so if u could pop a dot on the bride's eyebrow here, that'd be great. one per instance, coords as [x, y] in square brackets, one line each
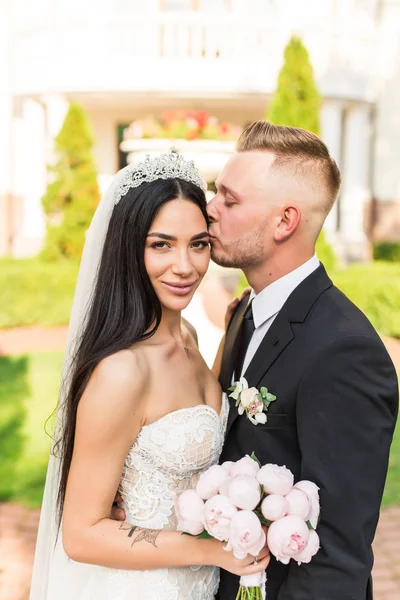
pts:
[171, 238]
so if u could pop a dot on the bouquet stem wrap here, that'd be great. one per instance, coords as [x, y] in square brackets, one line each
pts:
[252, 587]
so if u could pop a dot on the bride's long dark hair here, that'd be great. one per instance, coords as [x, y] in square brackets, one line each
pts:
[124, 307]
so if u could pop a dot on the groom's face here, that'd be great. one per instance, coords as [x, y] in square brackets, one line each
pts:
[244, 212]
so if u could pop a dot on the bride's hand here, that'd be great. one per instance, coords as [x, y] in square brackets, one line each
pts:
[246, 566]
[117, 513]
[233, 305]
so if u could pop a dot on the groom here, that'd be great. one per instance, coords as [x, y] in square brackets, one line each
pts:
[336, 388]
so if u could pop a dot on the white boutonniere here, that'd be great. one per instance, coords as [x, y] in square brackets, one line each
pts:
[251, 401]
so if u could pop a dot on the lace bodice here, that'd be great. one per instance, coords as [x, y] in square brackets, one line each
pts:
[165, 459]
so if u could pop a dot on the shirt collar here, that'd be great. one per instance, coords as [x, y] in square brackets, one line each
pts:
[270, 300]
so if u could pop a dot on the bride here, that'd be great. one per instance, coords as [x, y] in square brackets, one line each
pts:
[140, 413]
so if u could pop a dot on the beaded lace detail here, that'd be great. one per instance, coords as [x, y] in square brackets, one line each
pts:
[166, 459]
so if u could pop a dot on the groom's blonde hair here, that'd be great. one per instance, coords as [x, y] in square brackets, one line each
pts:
[298, 151]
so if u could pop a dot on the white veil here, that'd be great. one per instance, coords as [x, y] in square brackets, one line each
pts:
[55, 576]
[50, 559]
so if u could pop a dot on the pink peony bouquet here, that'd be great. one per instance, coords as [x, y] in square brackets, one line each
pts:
[233, 501]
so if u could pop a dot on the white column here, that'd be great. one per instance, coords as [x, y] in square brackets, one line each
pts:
[331, 133]
[5, 127]
[355, 189]
[30, 177]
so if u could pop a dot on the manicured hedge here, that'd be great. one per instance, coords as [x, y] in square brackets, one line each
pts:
[388, 251]
[35, 293]
[375, 289]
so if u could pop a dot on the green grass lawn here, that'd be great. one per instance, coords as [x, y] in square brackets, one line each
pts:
[28, 394]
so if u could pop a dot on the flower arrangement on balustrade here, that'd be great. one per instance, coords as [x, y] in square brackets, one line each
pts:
[235, 502]
[188, 125]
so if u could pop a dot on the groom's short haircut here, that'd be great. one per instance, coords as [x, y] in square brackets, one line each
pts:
[296, 150]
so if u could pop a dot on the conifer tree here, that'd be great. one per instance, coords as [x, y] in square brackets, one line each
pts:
[73, 195]
[296, 103]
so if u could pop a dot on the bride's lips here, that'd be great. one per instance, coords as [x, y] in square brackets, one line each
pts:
[179, 289]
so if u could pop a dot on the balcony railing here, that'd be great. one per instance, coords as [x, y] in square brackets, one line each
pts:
[114, 53]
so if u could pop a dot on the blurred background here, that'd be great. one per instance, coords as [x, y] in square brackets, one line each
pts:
[87, 87]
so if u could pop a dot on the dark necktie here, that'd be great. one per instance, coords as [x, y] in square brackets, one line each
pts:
[246, 331]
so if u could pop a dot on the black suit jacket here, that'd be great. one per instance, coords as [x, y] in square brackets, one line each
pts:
[332, 423]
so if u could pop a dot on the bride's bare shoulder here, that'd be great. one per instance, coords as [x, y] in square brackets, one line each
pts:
[126, 368]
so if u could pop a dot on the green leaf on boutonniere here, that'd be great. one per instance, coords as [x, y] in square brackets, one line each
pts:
[309, 525]
[254, 457]
[270, 397]
[232, 388]
[237, 402]
[264, 392]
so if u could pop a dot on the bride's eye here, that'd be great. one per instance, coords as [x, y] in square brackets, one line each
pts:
[160, 245]
[200, 245]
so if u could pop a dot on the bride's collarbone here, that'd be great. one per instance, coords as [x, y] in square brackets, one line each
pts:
[176, 381]
[171, 390]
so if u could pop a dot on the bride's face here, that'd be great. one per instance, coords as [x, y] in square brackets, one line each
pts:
[177, 253]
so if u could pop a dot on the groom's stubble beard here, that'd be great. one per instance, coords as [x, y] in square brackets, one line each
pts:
[245, 252]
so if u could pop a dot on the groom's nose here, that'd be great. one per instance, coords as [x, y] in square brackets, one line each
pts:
[212, 210]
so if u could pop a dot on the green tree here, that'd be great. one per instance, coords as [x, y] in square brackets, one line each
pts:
[296, 101]
[71, 198]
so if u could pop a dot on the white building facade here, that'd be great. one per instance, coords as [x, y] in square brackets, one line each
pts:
[125, 59]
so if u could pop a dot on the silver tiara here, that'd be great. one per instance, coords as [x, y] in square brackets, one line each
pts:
[165, 166]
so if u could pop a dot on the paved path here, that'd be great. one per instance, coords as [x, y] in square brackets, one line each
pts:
[18, 532]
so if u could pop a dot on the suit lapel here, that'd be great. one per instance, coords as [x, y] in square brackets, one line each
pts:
[276, 339]
[280, 334]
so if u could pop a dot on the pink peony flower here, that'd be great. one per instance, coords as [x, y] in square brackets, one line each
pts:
[244, 492]
[312, 547]
[189, 509]
[299, 503]
[276, 480]
[274, 507]
[245, 466]
[246, 536]
[210, 481]
[311, 491]
[227, 465]
[218, 513]
[224, 488]
[287, 537]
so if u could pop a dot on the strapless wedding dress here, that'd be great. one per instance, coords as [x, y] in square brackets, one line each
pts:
[165, 459]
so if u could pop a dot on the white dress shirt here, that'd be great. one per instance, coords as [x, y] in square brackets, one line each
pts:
[268, 303]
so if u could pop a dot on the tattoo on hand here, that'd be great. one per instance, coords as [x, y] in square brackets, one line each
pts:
[148, 535]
